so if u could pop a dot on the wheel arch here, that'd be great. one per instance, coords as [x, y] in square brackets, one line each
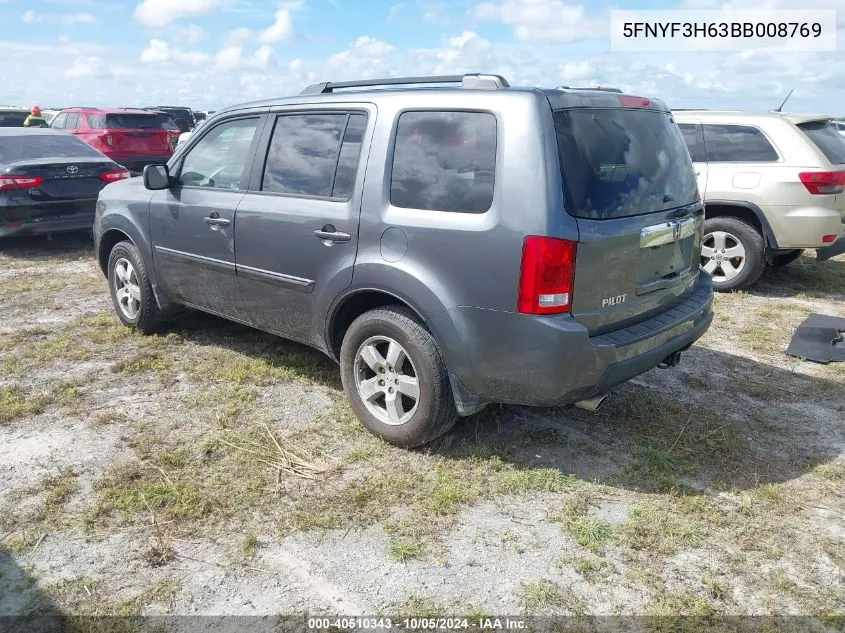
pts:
[353, 304]
[747, 211]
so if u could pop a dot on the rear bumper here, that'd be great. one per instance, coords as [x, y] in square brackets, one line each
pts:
[804, 227]
[550, 361]
[54, 217]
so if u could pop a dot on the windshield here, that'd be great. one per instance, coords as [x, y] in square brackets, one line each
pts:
[827, 138]
[124, 122]
[622, 162]
[35, 146]
[13, 119]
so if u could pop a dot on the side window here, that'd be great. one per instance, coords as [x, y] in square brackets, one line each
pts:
[737, 144]
[221, 157]
[694, 140]
[72, 121]
[314, 154]
[59, 121]
[444, 161]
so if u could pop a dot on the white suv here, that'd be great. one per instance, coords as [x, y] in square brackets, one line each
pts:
[773, 185]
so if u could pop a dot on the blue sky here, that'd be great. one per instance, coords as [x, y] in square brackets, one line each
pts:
[211, 53]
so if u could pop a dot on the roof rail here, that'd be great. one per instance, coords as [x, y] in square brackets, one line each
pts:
[469, 81]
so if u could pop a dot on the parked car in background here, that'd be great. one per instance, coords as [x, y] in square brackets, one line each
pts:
[12, 116]
[584, 202]
[773, 185]
[133, 138]
[840, 127]
[169, 124]
[184, 117]
[49, 181]
[49, 115]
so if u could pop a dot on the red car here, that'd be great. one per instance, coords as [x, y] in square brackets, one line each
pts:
[132, 138]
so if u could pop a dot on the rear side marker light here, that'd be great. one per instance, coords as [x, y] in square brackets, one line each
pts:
[546, 278]
[20, 182]
[829, 239]
[823, 182]
[113, 176]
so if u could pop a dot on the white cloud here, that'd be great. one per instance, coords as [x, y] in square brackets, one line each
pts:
[232, 58]
[67, 19]
[281, 30]
[544, 20]
[191, 34]
[158, 13]
[95, 67]
[238, 36]
[159, 51]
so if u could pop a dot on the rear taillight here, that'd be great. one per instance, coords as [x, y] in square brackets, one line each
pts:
[630, 101]
[548, 270]
[20, 182]
[829, 239]
[117, 174]
[109, 139]
[823, 182]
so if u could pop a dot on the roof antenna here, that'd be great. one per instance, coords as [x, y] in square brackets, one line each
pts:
[780, 107]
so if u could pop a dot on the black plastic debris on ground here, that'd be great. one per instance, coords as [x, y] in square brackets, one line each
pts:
[820, 338]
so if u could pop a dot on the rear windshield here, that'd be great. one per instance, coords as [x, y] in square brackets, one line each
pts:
[35, 146]
[827, 138]
[13, 119]
[167, 122]
[618, 162]
[124, 122]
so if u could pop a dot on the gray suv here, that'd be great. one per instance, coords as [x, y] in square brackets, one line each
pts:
[450, 241]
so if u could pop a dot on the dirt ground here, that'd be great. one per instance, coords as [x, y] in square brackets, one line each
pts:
[214, 469]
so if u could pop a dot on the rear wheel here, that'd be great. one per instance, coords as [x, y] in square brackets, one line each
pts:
[131, 290]
[395, 379]
[784, 258]
[733, 253]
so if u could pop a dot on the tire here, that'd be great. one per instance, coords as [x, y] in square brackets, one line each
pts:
[136, 307]
[368, 348]
[786, 258]
[724, 235]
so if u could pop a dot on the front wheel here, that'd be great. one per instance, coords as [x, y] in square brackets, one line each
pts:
[395, 379]
[131, 290]
[732, 252]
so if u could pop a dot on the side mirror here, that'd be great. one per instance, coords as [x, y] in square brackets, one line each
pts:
[156, 177]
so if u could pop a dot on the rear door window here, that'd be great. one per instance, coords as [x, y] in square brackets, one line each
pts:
[59, 121]
[72, 121]
[314, 154]
[694, 139]
[737, 144]
[444, 161]
[622, 162]
[826, 136]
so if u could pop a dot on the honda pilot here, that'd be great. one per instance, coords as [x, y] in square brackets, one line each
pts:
[451, 242]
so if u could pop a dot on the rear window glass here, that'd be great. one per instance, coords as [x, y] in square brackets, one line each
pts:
[827, 138]
[124, 122]
[12, 119]
[444, 161]
[617, 163]
[737, 144]
[34, 146]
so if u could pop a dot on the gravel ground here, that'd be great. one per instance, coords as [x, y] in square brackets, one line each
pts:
[140, 474]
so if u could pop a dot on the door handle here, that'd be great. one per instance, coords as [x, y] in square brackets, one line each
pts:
[329, 235]
[215, 222]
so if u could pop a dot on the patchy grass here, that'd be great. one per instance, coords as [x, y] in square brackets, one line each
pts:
[142, 362]
[15, 403]
[249, 546]
[404, 549]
